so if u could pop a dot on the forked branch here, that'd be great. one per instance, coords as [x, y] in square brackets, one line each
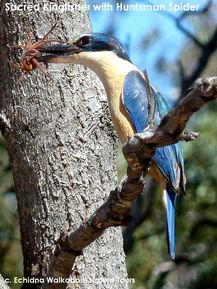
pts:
[138, 152]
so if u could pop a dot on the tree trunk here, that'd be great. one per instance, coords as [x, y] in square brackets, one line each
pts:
[62, 150]
[3, 285]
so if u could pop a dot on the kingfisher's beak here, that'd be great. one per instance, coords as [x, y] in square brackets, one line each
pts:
[58, 53]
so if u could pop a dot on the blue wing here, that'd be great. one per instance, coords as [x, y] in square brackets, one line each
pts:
[135, 100]
[168, 159]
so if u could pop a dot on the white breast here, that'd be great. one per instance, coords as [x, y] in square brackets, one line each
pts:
[112, 71]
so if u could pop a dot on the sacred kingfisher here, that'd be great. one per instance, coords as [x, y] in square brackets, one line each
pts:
[125, 87]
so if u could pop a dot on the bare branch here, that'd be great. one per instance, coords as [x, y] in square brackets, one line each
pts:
[199, 12]
[178, 21]
[138, 152]
[187, 32]
[208, 49]
[170, 129]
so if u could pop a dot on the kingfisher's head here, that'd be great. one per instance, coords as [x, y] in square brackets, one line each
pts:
[92, 50]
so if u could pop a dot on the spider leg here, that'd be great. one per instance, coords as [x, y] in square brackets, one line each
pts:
[15, 66]
[49, 31]
[19, 46]
[29, 38]
[38, 65]
[42, 42]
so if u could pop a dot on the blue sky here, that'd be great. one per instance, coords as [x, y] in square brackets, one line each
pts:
[130, 27]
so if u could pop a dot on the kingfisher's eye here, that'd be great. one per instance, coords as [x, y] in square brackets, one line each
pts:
[85, 40]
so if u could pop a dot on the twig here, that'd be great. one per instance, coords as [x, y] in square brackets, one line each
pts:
[208, 49]
[185, 14]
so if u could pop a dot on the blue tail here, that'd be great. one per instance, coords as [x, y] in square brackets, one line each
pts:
[169, 199]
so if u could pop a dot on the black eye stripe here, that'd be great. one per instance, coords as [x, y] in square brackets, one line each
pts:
[101, 42]
[85, 40]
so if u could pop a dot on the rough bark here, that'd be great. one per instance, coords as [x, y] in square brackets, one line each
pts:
[61, 148]
[3, 285]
